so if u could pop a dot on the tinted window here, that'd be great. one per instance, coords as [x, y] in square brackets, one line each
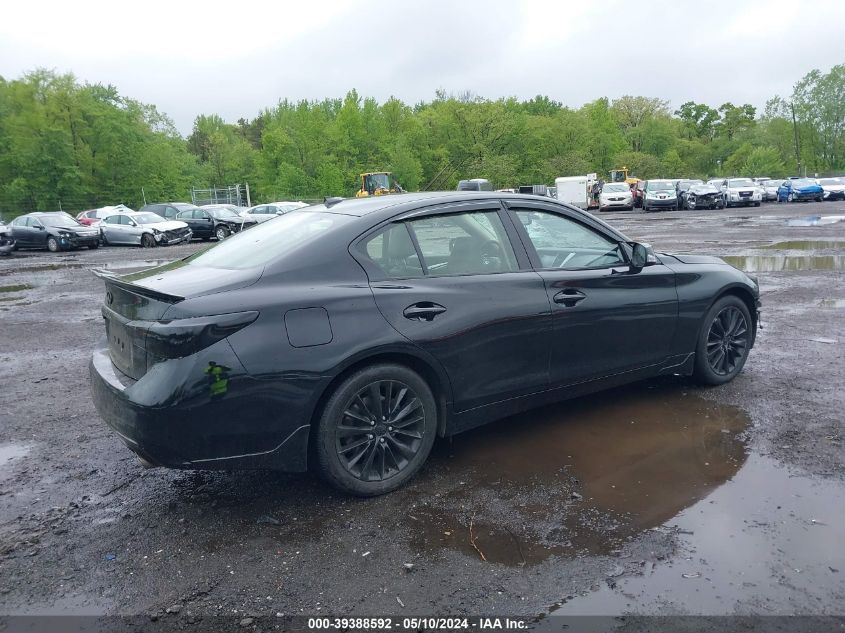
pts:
[464, 244]
[393, 252]
[563, 243]
[22, 221]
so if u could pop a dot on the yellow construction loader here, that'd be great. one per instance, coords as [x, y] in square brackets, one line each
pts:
[621, 175]
[377, 183]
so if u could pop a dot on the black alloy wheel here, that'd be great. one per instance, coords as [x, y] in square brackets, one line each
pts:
[376, 430]
[147, 241]
[724, 341]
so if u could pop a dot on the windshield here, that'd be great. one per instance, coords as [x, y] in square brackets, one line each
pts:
[222, 213]
[658, 185]
[741, 182]
[831, 181]
[269, 240]
[58, 220]
[147, 218]
[373, 182]
[616, 187]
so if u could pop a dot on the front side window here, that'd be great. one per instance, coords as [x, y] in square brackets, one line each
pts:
[464, 244]
[112, 219]
[564, 243]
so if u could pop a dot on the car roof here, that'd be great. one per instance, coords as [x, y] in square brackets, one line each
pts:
[364, 206]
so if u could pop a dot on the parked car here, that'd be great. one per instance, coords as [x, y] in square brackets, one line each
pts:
[660, 194]
[703, 196]
[681, 189]
[358, 332]
[833, 188]
[169, 210]
[219, 222]
[143, 228]
[741, 192]
[769, 189]
[616, 195]
[264, 212]
[800, 189]
[7, 242]
[54, 230]
[93, 217]
[475, 184]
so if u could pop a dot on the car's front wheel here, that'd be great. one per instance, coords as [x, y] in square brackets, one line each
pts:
[53, 244]
[724, 341]
[147, 241]
[376, 430]
[221, 233]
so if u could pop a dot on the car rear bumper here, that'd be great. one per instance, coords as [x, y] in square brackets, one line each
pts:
[173, 417]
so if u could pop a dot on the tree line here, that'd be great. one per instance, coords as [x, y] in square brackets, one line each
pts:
[72, 145]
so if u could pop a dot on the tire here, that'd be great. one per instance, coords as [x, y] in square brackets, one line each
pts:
[819, 199]
[147, 241]
[790, 197]
[53, 244]
[94, 246]
[724, 342]
[343, 428]
[221, 233]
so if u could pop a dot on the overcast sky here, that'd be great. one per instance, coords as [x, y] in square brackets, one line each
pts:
[236, 58]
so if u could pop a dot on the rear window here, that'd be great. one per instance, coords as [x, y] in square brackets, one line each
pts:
[269, 240]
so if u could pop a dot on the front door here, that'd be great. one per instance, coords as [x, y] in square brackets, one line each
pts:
[452, 283]
[606, 318]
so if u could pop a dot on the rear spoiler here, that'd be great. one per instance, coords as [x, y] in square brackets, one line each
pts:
[111, 278]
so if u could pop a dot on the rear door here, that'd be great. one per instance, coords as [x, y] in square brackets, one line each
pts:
[606, 318]
[110, 227]
[451, 281]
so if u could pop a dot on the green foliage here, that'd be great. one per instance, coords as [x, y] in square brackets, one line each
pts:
[63, 143]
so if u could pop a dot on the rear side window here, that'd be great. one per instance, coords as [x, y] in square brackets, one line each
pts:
[455, 244]
[393, 252]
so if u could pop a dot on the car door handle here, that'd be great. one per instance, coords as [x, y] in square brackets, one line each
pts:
[569, 297]
[423, 311]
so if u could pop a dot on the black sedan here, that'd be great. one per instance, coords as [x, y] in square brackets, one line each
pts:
[55, 231]
[355, 332]
[219, 222]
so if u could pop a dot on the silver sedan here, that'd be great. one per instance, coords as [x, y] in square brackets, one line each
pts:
[143, 228]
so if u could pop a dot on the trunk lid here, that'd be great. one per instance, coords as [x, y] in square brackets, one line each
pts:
[137, 301]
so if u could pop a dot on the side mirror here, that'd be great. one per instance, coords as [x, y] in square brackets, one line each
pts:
[639, 256]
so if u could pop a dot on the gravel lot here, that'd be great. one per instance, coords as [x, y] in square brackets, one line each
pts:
[659, 498]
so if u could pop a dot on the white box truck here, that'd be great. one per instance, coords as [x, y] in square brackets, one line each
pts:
[572, 190]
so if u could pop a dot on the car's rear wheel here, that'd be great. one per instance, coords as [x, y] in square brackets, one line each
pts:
[723, 342]
[376, 430]
[221, 232]
[790, 197]
[52, 244]
[147, 241]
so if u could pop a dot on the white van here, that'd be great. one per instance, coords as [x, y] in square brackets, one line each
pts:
[572, 190]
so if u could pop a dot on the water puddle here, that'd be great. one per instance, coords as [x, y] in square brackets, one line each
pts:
[806, 245]
[15, 288]
[815, 220]
[9, 452]
[768, 542]
[579, 477]
[784, 263]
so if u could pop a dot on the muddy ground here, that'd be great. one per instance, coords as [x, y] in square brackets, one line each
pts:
[661, 498]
